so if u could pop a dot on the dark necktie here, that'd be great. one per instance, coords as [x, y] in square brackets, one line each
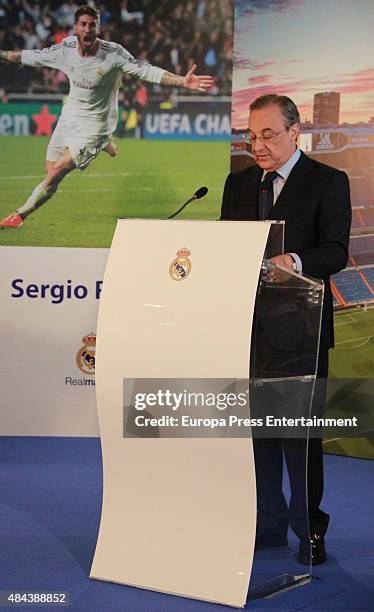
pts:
[266, 195]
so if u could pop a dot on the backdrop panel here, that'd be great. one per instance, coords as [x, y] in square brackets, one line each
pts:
[49, 303]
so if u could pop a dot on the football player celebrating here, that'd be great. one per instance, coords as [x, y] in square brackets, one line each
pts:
[94, 68]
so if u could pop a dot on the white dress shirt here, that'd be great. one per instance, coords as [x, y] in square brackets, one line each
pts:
[278, 184]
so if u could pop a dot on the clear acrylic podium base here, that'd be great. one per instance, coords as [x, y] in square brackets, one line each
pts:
[278, 585]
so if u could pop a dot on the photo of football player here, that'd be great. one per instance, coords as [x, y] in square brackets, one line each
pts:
[94, 68]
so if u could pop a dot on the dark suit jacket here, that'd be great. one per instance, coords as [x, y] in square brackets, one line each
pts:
[315, 204]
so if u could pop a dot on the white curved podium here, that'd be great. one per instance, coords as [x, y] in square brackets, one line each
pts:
[179, 514]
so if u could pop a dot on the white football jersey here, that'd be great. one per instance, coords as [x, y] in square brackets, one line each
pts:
[94, 80]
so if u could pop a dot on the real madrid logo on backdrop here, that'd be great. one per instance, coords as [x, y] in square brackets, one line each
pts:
[180, 267]
[86, 355]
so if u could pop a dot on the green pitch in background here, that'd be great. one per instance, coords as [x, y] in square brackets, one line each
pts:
[149, 179]
[352, 361]
[353, 356]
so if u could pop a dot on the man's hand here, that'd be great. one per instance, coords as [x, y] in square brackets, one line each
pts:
[280, 276]
[283, 260]
[190, 81]
[11, 57]
[197, 83]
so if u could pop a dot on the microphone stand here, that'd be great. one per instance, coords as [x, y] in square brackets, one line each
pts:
[182, 207]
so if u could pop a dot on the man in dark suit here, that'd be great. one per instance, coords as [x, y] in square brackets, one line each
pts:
[314, 201]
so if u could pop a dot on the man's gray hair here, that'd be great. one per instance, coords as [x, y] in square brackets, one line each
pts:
[286, 105]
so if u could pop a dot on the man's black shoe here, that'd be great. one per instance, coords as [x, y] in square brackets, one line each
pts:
[313, 550]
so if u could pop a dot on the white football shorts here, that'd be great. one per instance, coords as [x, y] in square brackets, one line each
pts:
[72, 135]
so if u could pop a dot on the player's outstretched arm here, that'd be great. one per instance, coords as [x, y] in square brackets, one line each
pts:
[11, 57]
[189, 81]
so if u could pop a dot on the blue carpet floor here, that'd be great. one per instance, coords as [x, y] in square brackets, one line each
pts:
[50, 498]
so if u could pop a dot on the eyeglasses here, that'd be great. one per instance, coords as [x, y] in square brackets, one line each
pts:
[265, 135]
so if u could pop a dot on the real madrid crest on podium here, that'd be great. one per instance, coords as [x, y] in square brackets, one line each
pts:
[86, 355]
[181, 266]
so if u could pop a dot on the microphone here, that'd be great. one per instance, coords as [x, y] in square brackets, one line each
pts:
[200, 193]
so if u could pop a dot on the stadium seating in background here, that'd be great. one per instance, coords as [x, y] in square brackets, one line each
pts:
[368, 216]
[360, 244]
[172, 34]
[369, 274]
[361, 191]
[353, 286]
